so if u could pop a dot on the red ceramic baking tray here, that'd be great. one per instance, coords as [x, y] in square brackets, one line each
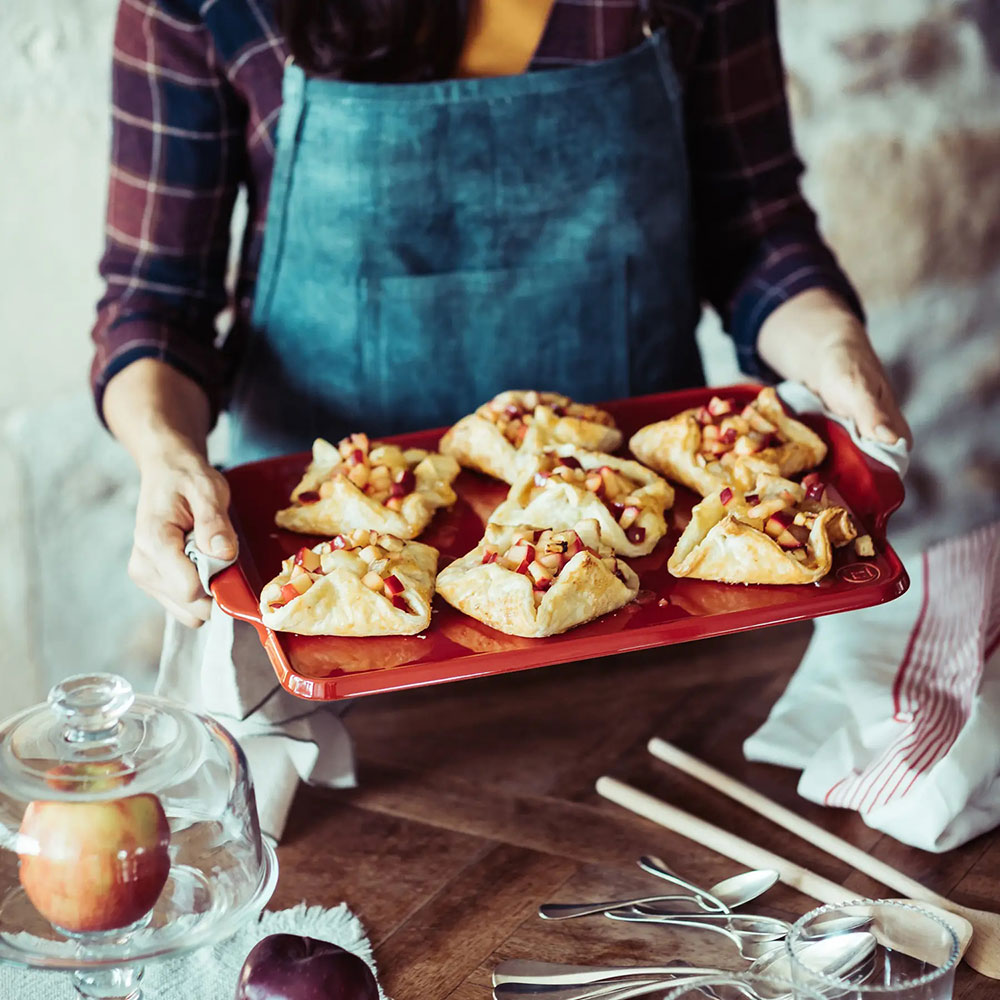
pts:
[456, 647]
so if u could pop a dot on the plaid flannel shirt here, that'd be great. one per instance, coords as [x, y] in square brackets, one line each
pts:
[196, 92]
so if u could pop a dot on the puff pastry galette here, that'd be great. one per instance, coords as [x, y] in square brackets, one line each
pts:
[530, 582]
[361, 583]
[363, 484]
[564, 485]
[720, 444]
[517, 423]
[783, 532]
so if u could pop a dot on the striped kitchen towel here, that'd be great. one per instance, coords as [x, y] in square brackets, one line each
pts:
[895, 710]
[222, 670]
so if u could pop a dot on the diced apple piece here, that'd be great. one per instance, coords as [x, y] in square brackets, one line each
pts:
[489, 555]
[777, 523]
[308, 496]
[327, 562]
[575, 546]
[788, 541]
[552, 561]
[814, 486]
[746, 445]
[394, 503]
[398, 601]
[358, 475]
[710, 433]
[728, 436]
[720, 407]
[340, 542]
[541, 478]
[570, 462]
[393, 585]
[538, 572]
[372, 581]
[703, 416]
[307, 559]
[391, 543]
[752, 499]
[864, 546]
[371, 552]
[726, 495]
[629, 516]
[759, 422]
[595, 483]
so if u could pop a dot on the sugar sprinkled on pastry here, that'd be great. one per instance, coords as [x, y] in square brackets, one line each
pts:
[783, 532]
[522, 422]
[538, 582]
[564, 485]
[363, 484]
[718, 445]
[359, 583]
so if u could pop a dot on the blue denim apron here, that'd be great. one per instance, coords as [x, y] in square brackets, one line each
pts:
[429, 245]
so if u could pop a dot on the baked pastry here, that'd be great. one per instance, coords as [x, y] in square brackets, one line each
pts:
[718, 445]
[533, 583]
[563, 485]
[783, 532]
[362, 484]
[362, 583]
[517, 423]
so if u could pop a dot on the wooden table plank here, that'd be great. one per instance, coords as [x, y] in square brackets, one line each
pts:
[477, 804]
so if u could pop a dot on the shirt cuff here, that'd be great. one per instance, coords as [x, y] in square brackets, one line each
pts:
[783, 271]
[132, 339]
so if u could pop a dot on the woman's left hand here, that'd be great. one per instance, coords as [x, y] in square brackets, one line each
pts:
[814, 339]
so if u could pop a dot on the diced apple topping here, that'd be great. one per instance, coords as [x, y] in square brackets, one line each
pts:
[726, 495]
[727, 434]
[383, 472]
[513, 414]
[378, 551]
[814, 487]
[864, 546]
[539, 555]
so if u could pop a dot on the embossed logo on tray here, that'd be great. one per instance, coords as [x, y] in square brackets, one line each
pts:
[859, 573]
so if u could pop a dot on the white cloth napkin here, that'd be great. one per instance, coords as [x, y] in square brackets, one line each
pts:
[803, 400]
[895, 710]
[210, 973]
[223, 670]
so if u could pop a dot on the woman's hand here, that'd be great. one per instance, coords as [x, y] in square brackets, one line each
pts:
[179, 491]
[162, 418]
[814, 339]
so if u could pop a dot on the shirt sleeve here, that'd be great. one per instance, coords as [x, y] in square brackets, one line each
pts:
[757, 242]
[176, 164]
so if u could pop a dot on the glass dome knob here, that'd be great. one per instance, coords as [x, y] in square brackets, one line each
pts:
[91, 705]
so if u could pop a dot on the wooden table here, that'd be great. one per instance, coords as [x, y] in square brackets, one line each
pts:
[476, 803]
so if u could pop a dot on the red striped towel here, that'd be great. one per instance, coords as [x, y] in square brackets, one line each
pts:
[895, 711]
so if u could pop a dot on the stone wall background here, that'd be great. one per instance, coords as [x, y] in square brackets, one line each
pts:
[897, 114]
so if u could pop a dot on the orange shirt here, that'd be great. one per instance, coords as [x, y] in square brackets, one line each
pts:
[503, 36]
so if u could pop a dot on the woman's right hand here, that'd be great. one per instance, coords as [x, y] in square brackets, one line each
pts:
[179, 491]
[162, 417]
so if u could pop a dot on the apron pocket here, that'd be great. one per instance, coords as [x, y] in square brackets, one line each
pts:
[439, 345]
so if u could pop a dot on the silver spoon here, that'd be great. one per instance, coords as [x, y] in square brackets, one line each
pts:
[750, 944]
[728, 894]
[839, 956]
[750, 924]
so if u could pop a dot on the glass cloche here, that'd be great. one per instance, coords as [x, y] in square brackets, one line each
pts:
[128, 831]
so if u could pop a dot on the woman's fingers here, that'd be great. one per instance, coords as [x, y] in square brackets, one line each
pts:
[208, 499]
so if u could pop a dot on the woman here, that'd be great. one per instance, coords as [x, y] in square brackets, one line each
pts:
[433, 218]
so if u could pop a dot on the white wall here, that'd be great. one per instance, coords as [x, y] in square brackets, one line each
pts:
[897, 108]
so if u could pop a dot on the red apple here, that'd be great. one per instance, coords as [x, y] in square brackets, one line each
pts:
[720, 407]
[393, 585]
[778, 522]
[489, 556]
[569, 461]
[307, 559]
[726, 495]
[752, 499]
[814, 486]
[290, 967]
[93, 866]
[398, 601]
